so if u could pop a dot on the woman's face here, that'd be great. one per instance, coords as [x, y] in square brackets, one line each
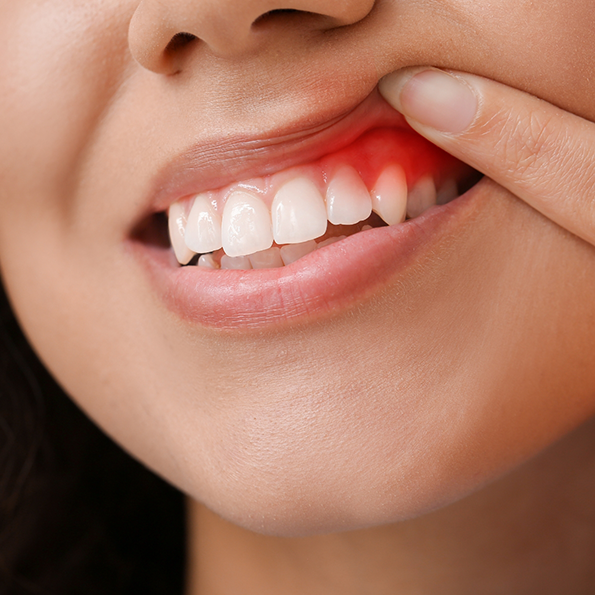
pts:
[393, 373]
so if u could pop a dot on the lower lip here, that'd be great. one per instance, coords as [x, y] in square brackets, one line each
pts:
[321, 284]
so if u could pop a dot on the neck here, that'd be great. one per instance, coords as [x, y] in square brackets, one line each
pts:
[530, 532]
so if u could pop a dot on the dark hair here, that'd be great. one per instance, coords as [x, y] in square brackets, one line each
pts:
[77, 515]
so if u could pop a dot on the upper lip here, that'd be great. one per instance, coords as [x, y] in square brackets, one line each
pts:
[211, 165]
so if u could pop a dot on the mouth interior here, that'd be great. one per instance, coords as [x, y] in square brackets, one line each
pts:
[242, 227]
[153, 231]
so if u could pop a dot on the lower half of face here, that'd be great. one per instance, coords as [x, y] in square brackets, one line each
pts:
[313, 399]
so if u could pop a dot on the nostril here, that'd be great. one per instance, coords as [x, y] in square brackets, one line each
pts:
[179, 41]
[277, 11]
[173, 54]
[272, 15]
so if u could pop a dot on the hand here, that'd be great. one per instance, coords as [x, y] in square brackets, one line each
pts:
[539, 152]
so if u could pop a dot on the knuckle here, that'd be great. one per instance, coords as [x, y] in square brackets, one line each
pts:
[526, 141]
[531, 145]
[548, 160]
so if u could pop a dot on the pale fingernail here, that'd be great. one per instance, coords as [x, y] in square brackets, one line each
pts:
[433, 98]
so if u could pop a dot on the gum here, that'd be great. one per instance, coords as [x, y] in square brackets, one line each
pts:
[369, 155]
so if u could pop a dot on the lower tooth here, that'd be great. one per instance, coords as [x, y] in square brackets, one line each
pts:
[267, 259]
[448, 191]
[330, 241]
[421, 197]
[292, 252]
[207, 261]
[239, 263]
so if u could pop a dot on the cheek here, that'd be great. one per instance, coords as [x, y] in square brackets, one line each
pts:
[544, 48]
[59, 69]
[421, 397]
[403, 404]
[60, 64]
[406, 403]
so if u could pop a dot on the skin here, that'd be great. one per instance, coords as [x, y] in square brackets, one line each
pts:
[336, 438]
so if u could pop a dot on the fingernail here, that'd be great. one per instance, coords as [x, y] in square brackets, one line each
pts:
[433, 98]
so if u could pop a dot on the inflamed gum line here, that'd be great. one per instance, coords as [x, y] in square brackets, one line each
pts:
[274, 275]
[385, 176]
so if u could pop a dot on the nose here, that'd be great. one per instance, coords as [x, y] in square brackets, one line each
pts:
[162, 31]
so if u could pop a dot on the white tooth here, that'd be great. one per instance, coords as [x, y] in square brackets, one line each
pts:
[389, 196]
[177, 229]
[330, 241]
[267, 259]
[298, 212]
[203, 230]
[448, 191]
[246, 225]
[240, 263]
[366, 227]
[347, 198]
[207, 261]
[421, 197]
[293, 252]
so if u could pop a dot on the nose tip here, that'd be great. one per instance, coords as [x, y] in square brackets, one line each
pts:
[161, 33]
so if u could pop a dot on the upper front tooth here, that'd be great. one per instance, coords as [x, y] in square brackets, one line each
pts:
[347, 198]
[298, 212]
[389, 196]
[246, 225]
[203, 230]
[177, 230]
[421, 197]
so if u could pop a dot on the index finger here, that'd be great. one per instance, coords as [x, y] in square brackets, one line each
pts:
[541, 153]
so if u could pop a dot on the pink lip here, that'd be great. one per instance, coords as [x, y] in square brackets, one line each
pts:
[324, 282]
[209, 166]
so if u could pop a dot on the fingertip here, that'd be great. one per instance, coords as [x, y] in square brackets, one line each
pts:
[433, 98]
[391, 86]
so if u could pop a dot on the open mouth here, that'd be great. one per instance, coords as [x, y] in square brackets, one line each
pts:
[385, 177]
[308, 238]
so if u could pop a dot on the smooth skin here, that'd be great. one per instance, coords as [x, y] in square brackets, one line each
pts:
[324, 448]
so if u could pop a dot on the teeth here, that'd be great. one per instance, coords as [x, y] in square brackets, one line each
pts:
[389, 195]
[177, 230]
[448, 191]
[421, 197]
[235, 262]
[267, 259]
[330, 241]
[293, 252]
[347, 198]
[246, 225]
[298, 212]
[203, 230]
[207, 261]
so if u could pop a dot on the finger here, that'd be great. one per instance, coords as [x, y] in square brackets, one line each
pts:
[539, 152]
